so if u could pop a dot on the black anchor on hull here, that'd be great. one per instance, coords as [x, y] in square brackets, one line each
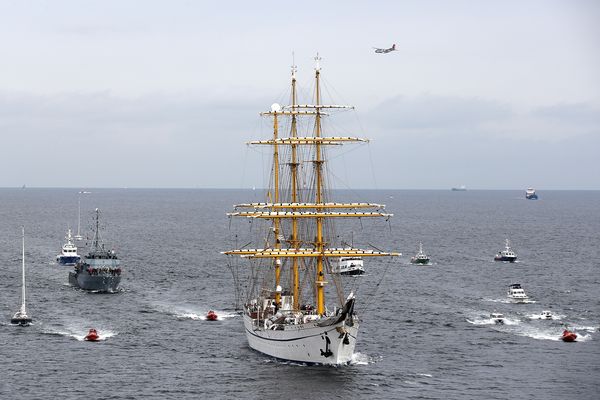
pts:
[327, 352]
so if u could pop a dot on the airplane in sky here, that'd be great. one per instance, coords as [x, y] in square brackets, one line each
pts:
[383, 51]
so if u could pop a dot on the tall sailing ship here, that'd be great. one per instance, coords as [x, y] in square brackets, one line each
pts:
[285, 311]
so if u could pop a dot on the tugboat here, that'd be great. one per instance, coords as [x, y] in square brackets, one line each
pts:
[516, 293]
[349, 266]
[420, 257]
[530, 194]
[100, 270]
[69, 254]
[568, 336]
[285, 313]
[21, 318]
[497, 318]
[92, 336]
[506, 255]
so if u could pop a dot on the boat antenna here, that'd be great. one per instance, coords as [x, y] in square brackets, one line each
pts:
[23, 274]
[97, 233]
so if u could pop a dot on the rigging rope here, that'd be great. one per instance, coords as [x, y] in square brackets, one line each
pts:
[374, 292]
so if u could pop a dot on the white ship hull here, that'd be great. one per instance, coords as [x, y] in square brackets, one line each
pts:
[307, 343]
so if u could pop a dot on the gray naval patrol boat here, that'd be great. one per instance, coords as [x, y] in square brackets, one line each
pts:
[100, 269]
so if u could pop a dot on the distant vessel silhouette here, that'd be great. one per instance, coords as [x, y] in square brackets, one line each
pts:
[530, 194]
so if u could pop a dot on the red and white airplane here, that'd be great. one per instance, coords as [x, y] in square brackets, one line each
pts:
[383, 51]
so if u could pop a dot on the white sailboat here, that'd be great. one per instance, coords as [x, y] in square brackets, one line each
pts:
[21, 317]
[285, 312]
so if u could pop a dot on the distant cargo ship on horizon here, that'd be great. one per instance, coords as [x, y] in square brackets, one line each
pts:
[461, 188]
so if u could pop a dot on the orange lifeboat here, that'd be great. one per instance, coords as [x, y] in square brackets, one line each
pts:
[211, 316]
[568, 336]
[92, 336]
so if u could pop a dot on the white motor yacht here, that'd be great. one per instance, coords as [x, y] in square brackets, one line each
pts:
[516, 293]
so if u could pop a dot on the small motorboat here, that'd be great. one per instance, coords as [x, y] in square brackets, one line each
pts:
[211, 316]
[568, 336]
[506, 255]
[546, 315]
[69, 255]
[497, 318]
[517, 294]
[92, 336]
[420, 257]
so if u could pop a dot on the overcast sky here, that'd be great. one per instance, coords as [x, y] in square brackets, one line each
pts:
[492, 95]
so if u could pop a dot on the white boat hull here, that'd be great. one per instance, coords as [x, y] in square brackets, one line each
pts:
[519, 299]
[307, 343]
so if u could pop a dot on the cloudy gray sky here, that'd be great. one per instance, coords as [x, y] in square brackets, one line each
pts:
[493, 95]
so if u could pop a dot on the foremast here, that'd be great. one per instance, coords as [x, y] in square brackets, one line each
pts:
[319, 210]
[276, 221]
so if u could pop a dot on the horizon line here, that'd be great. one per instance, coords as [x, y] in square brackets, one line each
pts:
[256, 188]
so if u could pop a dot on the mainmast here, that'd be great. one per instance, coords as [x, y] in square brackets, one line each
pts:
[23, 311]
[318, 165]
[97, 232]
[294, 171]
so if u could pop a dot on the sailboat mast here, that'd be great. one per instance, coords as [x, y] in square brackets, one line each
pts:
[276, 222]
[318, 163]
[23, 273]
[294, 166]
[78, 214]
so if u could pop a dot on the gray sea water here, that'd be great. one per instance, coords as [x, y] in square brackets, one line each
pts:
[425, 334]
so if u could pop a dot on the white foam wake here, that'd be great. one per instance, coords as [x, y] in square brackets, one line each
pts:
[80, 333]
[361, 359]
[193, 313]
